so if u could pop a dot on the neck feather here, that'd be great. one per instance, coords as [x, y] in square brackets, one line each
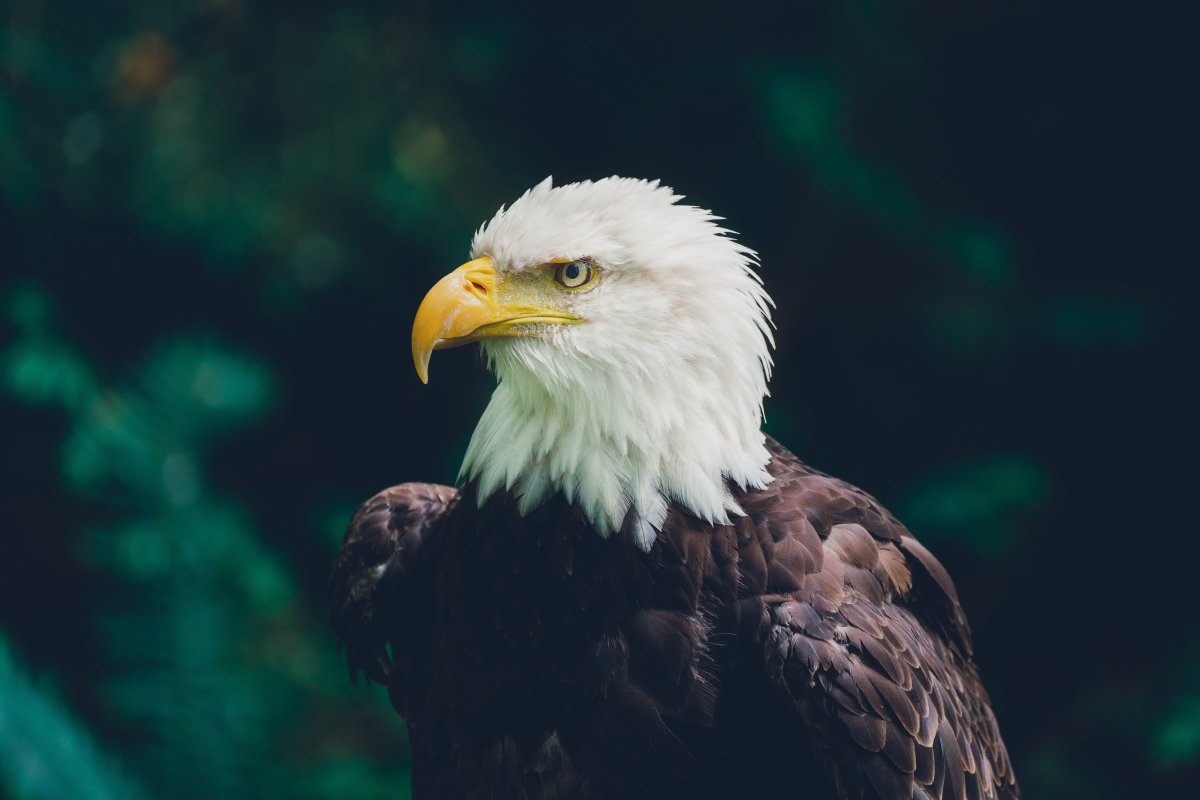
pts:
[622, 445]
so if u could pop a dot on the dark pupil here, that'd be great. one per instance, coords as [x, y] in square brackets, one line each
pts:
[572, 271]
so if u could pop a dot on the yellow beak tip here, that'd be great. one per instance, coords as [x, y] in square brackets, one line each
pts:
[456, 305]
[422, 365]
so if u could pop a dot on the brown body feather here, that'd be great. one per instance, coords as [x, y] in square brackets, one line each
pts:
[810, 649]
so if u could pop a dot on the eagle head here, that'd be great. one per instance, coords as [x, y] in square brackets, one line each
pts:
[630, 338]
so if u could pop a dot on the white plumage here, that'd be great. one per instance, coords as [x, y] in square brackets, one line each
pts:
[657, 397]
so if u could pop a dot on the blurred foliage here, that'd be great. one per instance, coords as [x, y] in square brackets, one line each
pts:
[217, 217]
[210, 658]
[987, 503]
[1177, 735]
[44, 751]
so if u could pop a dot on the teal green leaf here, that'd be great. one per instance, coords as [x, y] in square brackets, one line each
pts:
[45, 752]
[981, 503]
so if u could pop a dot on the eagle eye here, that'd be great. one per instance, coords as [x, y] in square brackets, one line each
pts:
[574, 274]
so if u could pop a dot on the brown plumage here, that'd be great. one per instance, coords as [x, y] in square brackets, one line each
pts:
[810, 649]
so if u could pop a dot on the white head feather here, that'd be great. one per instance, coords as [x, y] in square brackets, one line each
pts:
[657, 397]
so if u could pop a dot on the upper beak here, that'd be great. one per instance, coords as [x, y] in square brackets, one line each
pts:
[466, 306]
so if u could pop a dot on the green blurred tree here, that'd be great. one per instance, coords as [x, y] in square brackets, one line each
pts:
[211, 658]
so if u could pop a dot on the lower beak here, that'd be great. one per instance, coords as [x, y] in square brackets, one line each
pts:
[464, 307]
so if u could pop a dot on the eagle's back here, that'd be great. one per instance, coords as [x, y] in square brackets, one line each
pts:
[811, 648]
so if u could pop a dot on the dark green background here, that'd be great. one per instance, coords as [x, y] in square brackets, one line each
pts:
[217, 219]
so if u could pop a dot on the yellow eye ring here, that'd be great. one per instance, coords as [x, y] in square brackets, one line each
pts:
[575, 274]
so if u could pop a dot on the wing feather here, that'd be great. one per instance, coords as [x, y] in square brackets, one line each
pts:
[380, 579]
[868, 639]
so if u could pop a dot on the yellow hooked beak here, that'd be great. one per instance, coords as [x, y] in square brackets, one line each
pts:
[468, 305]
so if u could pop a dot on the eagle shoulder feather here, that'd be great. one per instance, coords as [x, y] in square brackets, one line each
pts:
[863, 632]
[379, 577]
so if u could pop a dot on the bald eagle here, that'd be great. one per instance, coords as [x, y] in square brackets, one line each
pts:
[635, 592]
